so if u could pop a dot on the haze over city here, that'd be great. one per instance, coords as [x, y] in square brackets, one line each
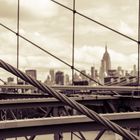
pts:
[50, 26]
[75, 66]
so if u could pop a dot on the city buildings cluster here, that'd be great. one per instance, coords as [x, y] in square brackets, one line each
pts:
[104, 75]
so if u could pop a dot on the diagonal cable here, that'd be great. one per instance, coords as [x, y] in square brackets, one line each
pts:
[95, 21]
[93, 115]
[72, 103]
[37, 46]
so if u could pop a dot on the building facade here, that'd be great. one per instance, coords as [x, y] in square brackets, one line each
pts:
[105, 65]
[59, 78]
[31, 73]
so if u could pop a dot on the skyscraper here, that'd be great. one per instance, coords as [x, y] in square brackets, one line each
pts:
[31, 73]
[105, 65]
[67, 79]
[106, 62]
[59, 78]
[52, 74]
[134, 70]
[82, 75]
[93, 72]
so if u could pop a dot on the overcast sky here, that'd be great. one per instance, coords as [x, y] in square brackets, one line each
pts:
[50, 26]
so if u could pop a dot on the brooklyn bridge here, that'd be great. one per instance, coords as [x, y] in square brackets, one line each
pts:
[99, 106]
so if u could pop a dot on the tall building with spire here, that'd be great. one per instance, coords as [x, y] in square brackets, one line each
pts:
[106, 60]
[105, 65]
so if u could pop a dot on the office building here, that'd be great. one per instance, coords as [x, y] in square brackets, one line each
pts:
[59, 78]
[31, 73]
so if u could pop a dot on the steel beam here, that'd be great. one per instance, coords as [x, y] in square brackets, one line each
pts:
[94, 88]
[117, 102]
[16, 128]
[52, 102]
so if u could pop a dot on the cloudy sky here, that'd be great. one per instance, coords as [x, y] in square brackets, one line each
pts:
[50, 26]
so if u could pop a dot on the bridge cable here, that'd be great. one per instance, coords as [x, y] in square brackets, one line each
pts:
[72, 103]
[95, 21]
[73, 42]
[84, 110]
[74, 11]
[37, 46]
[107, 27]
[139, 46]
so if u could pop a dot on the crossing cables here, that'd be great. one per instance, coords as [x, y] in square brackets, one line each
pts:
[64, 62]
[95, 21]
[72, 103]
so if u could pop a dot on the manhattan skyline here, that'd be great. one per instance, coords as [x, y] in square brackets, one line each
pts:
[50, 26]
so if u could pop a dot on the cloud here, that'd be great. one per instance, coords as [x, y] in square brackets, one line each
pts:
[111, 13]
[123, 60]
[85, 57]
[90, 29]
[8, 42]
[8, 9]
[28, 9]
[41, 9]
[126, 29]
[50, 26]
[88, 56]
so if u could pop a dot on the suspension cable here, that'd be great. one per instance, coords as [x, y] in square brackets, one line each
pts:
[72, 103]
[81, 108]
[74, 11]
[73, 42]
[95, 21]
[24, 38]
[139, 45]
[18, 9]
[37, 46]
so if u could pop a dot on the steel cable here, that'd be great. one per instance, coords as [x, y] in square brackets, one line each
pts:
[72, 103]
[84, 110]
[95, 21]
[37, 46]
[53, 55]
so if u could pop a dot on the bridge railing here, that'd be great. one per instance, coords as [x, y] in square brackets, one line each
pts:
[72, 103]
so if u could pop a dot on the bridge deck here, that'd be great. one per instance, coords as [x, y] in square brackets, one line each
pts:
[26, 127]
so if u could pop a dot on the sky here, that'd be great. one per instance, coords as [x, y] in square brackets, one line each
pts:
[50, 26]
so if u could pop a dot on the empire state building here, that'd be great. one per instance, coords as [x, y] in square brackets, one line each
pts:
[106, 60]
[105, 64]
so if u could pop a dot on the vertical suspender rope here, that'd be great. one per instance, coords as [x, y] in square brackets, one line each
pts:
[18, 8]
[73, 42]
[72, 103]
[139, 45]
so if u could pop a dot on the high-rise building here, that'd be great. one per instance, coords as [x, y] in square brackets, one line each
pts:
[105, 65]
[59, 78]
[134, 70]
[94, 76]
[93, 72]
[106, 62]
[31, 73]
[67, 79]
[52, 76]
[120, 71]
[82, 75]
